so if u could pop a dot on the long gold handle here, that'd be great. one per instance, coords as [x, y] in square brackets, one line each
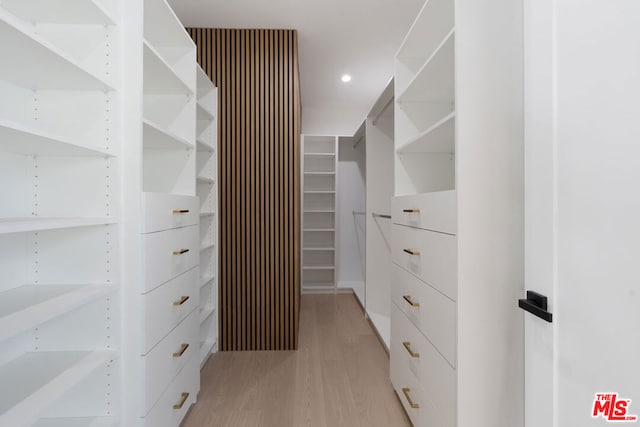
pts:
[181, 301]
[181, 251]
[412, 252]
[180, 211]
[411, 210]
[180, 404]
[407, 345]
[413, 404]
[408, 299]
[183, 348]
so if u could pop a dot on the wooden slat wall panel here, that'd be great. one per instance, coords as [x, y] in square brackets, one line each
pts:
[256, 72]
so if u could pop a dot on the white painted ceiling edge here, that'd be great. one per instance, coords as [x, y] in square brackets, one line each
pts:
[358, 37]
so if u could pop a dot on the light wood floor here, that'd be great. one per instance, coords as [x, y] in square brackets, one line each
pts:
[338, 377]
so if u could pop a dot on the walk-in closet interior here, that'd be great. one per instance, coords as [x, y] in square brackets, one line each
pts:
[319, 213]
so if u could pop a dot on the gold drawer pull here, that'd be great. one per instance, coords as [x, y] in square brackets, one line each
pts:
[408, 299]
[407, 345]
[183, 348]
[180, 404]
[413, 404]
[411, 210]
[412, 252]
[181, 301]
[181, 211]
[181, 251]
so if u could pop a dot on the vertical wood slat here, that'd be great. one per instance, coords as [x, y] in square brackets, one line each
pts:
[256, 72]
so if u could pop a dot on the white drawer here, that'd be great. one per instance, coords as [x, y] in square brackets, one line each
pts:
[177, 398]
[167, 305]
[166, 211]
[430, 311]
[167, 358]
[168, 254]
[436, 379]
[429, 255]
[431, 211]
[408, 388]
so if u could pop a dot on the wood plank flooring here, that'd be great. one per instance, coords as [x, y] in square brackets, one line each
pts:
[338, 377]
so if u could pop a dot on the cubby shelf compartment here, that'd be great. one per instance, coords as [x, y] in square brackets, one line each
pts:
[38, 379]
[320, 229]
[156, 137]
[207, 246]
[21, 225]
[206, 279]
[36, 64]
[318, 249]
[203, 146]
[319, 192]
[319, 211]
[434, 82]
[203, 113]
[318, 267]
[439, 138]
[205, 180]
[78, 422]
[22, 139]
[28, 306]
[86, 12]
[205, 312]
[320, 173]
[159, 76]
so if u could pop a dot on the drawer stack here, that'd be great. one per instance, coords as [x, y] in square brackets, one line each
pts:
[170, 296]
[423, 312]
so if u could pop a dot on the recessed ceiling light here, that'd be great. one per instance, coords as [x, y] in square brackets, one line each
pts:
[346, 78]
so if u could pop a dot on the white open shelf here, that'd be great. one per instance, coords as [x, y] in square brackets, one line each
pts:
[434, 82]
[318, 267]
[203, 113]
[319, 192]
[87, 12]
[439, 138]
[205, 180]
[319, 173]
[319, 249]
[21, 225]
[319, 211]
[37, 64]
[159, 76]
[206, 246]
[78, 422]
[156, 137]
[320, 229]
[38, 379]
[28, 306]
[206, 311]
[203, 146]
[22, 139]
[206, 279]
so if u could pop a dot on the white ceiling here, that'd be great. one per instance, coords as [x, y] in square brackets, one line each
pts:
[359, 37]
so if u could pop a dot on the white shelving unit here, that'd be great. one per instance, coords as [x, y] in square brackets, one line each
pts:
[319, 167]
[59, 168]
[206, 160]
[458, 163]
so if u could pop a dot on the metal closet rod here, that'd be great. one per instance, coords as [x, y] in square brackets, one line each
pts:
[377, 215]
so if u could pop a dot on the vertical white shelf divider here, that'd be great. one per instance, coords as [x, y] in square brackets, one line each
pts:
[319, 207]
[207, 185]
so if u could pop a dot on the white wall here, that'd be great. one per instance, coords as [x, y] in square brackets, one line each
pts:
[351, 228]
[379, 180]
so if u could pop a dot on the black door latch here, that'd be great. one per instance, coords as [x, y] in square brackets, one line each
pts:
[536, 304]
